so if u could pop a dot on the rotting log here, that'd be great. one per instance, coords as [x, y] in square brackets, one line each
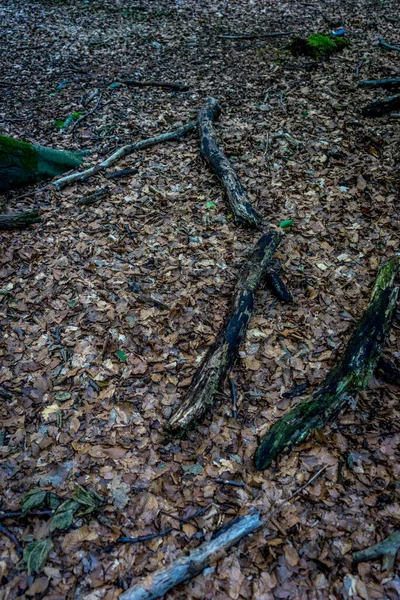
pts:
[351, 374]
[222, 354]
[158, 583]
[387, 84]
[382, 107]
[175, 134]
[242, 210]
[19, 220]
[22, 163]
[388, 548]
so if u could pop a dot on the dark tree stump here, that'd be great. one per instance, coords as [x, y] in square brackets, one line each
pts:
[222, 354]
[19, 220]
[351, 374]
[23, 164]
[242, 210]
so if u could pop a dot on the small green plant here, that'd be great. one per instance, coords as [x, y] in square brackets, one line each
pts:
[67, 122]
[317, 45]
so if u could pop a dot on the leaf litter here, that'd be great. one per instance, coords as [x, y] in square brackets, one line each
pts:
[93, 373]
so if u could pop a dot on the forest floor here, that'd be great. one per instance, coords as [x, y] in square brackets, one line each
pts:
[94, 373]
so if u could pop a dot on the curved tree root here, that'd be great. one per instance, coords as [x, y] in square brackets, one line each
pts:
[351, 374]
[387, 548]
[242, 210]
[222, 354]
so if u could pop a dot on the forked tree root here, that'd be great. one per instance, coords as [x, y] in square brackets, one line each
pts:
[157, 584]
[222, 354]
[242, 210]
[387, 548]
[351, 374]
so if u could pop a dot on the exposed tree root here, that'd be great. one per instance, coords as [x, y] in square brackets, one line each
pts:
[186, 567]
[387, 548]
[382, 107]
[388, 46]
[19, 220]
[222, 354]
[176, 134]
[351, 374]
[242, 210]
[387, 84]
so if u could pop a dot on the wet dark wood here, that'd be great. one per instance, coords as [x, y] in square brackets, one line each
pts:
[382, 107]
[19, 220]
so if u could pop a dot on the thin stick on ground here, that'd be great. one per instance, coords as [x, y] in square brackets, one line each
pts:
[255, 36]
[351, 374]
[242, 209]
[11, 537]
[223, 353]
[176, 134]
[179, 87]
[388, 46]
[388, 548]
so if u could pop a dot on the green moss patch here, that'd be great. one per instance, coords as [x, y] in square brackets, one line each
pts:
[317, 45]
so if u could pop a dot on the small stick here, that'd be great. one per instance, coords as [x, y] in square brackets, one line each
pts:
[255, 36]
[388, 46]
[11, 537]
[82, 117]
[180, 87]
[358, 68]
[234, 396]
[230, 482]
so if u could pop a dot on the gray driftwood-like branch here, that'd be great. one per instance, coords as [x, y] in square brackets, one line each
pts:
[19, 220]
[388, 548]
[242, 210]
[351, 374]
[223, 353]
[382, 107]
[176, 134]
[157, 584]
[387, 84]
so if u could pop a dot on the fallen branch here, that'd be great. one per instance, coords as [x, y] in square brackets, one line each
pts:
[223, 353]
[255, 36]
[19, 220]
[176, 134]
[12, 537]
[351, 374]
[387, 548]
[180, 87]
[121, 173]
[381, 107]
[387, 84]
[94, 197]
[157, 584]
[220, 165]
[388, 46]
[278, 288]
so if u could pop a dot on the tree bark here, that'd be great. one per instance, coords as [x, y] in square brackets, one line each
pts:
[382, 107]
[19, 220]
[23, 164]
[387, 548]
[351, 374]
[222, 354]
[242, 210]
[157, 584]
[387, 84]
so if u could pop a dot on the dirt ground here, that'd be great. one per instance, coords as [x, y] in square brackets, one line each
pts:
[95, 371]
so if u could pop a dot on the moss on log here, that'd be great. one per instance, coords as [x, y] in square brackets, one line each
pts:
[23, 164]
[222, 354]
[351, 374]
[317, 45]
[19, 220]
[242, 210]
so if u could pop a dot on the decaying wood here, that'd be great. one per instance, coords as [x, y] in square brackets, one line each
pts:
[157, 584]
[22, 163]
[180, 87]
[387, 548]
[175, 134]
[222, 354]
[388, 46]
[242, 210]
[387, 84]
[351, 374]
[277, 286]
[382, 107]
[19, 220]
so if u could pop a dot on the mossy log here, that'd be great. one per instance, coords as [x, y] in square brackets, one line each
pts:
[187, 566]
[351, 374]
[387, 84]
[222, 354]
[382, 107]
[242, 209]
[23, 164]
[388, 548]
[19, 220]
[317, 45]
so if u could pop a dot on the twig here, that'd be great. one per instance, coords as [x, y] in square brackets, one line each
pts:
[358, 68]
[122, 152]
[388, 46]
[297, 390]
[234, 396]
[11, 537]
[134, 287]
[181, 87]
[16, 514]
[82, 117]
[121, 173]
[230, 482]
[297, 492]
[255, 36]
